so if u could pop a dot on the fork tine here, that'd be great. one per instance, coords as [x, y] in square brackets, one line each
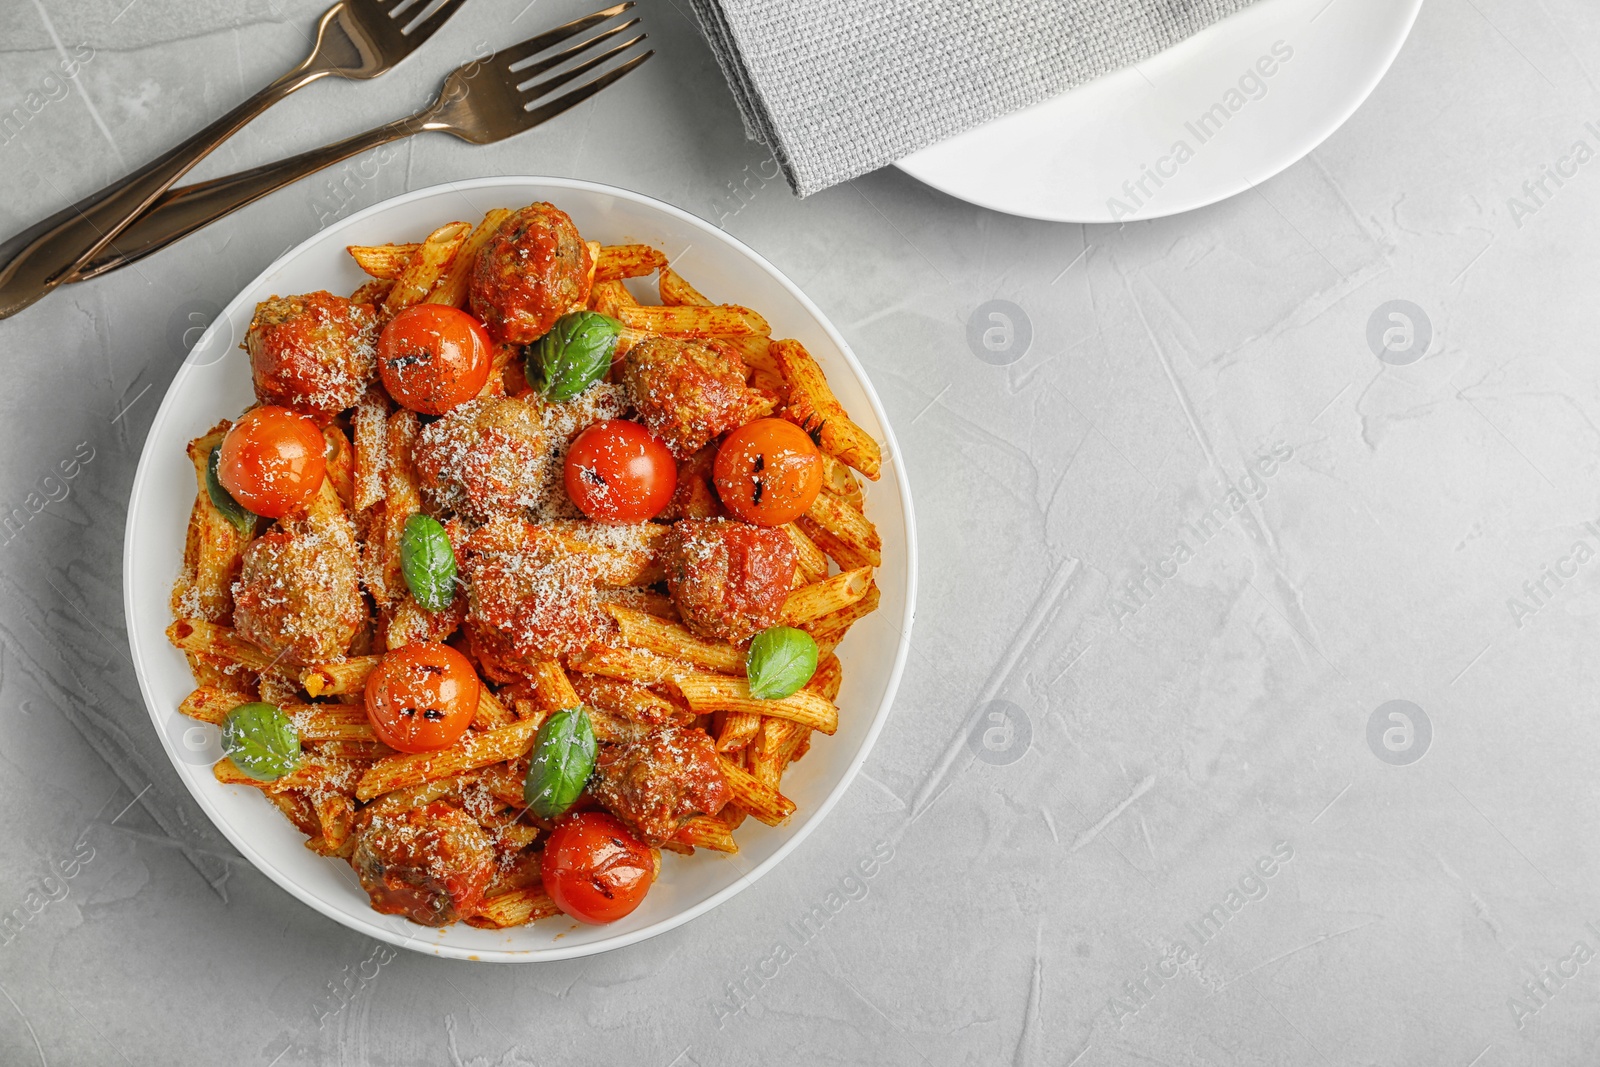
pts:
[584, 92]
[421, 31]
[533, 70]
[535, 91]
[533, 45]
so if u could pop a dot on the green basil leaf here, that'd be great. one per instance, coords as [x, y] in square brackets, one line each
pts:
[261, 741]
[781, 660]
[574, 355]
[243, 519]
[428, 562]
[562, 760]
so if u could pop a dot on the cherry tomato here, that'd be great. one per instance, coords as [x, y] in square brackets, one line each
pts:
[272, 460]
[422, 697]
[433, 356]
[768, 472]
[618, 471]
[594, 869]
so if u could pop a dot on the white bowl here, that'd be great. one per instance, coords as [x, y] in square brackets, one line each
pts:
[215, 383]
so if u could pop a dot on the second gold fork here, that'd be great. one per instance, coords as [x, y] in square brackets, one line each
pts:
[482, 102]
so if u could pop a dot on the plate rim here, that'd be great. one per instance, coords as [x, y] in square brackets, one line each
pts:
[1310, 141]
[371, 926]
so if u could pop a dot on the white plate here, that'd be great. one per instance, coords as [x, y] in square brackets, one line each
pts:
[1075, 158]
[215, 382]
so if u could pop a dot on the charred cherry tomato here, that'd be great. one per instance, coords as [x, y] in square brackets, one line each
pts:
[618, 471]
[432, 357]
[768, 472]
[422, 697]
[272, 461]
[594, 869]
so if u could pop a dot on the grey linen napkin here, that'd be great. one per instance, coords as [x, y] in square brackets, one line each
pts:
[840, 87]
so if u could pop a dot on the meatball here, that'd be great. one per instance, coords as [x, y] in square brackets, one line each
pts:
[530, 597]
[656, 782]
[483, 460]
[298, 595]
[728, 579]
[430, 864]
[314, 353]
[690, 390]
[533, 270]
[696, 494]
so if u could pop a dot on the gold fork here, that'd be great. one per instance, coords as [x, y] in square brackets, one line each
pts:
[482, 102]
[356, 39]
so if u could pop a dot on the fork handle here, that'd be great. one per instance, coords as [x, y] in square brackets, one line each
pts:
[44, 255]
[180, 212]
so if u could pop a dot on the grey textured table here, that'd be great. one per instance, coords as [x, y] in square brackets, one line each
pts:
[1188, 826]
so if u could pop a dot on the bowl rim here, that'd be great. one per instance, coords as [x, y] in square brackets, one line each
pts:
[371, 926]
[1307, 139]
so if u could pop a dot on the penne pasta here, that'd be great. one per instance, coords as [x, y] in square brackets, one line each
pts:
[384, 262]
[756, 351]
[646, 600]
[811, 405]
[475, 749]
[313, 722]
[364, 752]
[213, 546]
[617, 556]
[847, 526]
[675, 292]
[708, 693]
[452, 288]
[829, 595]
[627, 261]
[553, 688]
[609, 298]
[340, 464]
[410, 622]
[372, 292]
[828, 677]
[312, 776]
[645, 631]
[369, 424]
[427, 265]
[842, 482]
[714, 319]
[217, 643]
[702, 831]
[761, 801]
[337, 679]
[812, 564]
[492, 713]
[398, 800]
[298, 810]
[515, 908]
[507, 358]
[846, 557]
[841, 620]
[330, 722]
[629, 665]
[773, 749]
[210, 703]
[738, 729]
[632, 702]
[401, 500]
[335, 814]
[626, 339]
